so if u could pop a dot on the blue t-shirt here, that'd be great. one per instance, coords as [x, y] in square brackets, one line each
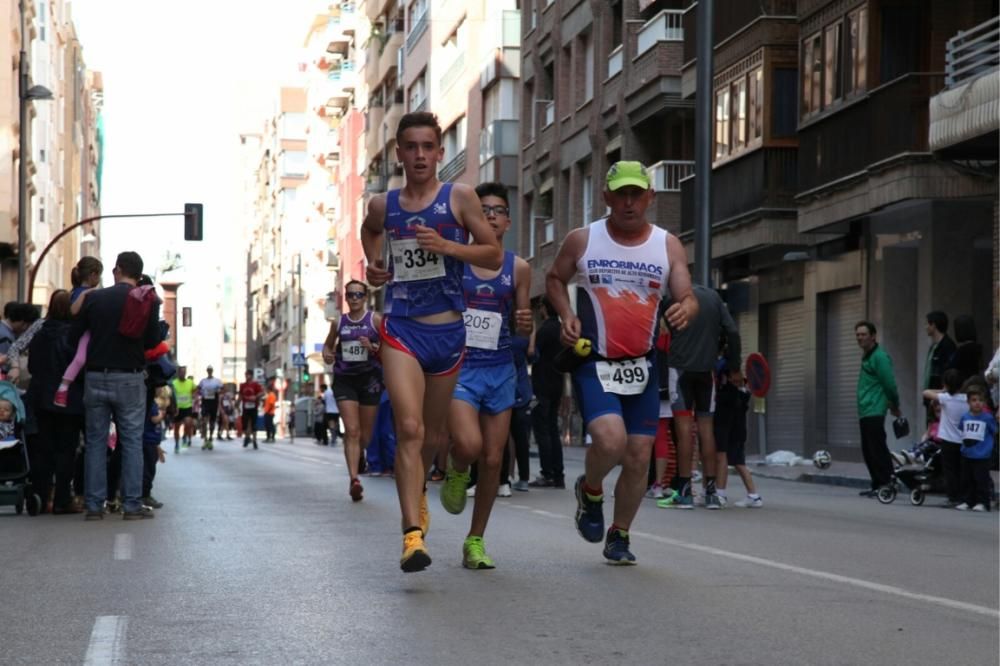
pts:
[151, 431]
[978, 433]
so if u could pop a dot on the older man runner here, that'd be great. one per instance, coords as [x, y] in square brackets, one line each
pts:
[622, 265]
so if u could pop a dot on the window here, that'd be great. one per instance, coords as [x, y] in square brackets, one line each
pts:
[856, 51]
[783, 95]
[532, 231]
[587, 185]
[544, 215]
[722, 123]
[739, 112]
[418, 92]
[588, 66]
[293, 125]
[757, 104]
[832, 72]
[617, 24]
[454, 139]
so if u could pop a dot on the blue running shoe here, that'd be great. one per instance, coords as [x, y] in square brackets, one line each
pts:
[589, 514]
[616, 549]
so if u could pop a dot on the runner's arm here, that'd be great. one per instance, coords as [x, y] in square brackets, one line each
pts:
[523, 320]
[330, 345]
[484, 252]
[373, 241]
[685, 305]
[557, 283]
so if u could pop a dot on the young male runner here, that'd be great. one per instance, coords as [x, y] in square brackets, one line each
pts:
[351, 346]
[479, 420]
[621, 264]
[426, 226]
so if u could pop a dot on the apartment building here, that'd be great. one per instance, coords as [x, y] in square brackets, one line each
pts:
[286, 261]
[828, 204]
[459, 60]
[64, 146]
[600, 82]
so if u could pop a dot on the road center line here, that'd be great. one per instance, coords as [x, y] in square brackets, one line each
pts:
[107, 641]
[991, 613]
[123, 546]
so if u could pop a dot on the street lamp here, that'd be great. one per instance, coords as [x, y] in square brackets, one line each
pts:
[26, 95]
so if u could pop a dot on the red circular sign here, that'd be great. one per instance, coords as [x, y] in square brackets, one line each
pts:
[758, 374]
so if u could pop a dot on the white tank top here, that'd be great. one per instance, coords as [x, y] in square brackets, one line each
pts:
[619, 289]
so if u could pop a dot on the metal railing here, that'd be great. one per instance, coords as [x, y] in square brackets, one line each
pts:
[453, 72]
[664, 27]
[972, 52]
[453, 168]
[667, 174]
[498, 138]
[419, 28]
[615, 61]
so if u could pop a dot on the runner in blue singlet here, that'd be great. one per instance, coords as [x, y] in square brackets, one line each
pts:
[425, 226]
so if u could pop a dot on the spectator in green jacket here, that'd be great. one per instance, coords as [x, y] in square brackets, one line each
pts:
[876, 395]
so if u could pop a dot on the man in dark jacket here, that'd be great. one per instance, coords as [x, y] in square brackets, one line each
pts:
[547, 384]
[940, 353]
[115, 387]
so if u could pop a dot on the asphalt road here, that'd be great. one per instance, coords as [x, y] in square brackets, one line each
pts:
[259, 557]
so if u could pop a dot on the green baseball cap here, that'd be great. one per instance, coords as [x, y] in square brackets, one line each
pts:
[622, 174]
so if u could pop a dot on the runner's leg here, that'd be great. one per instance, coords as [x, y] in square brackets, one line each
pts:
[494, 428]
[631, 486]
[405, 382]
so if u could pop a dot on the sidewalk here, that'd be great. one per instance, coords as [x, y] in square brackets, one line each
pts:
[847, 474]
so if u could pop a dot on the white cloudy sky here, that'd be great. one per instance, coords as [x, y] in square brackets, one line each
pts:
[182, 79]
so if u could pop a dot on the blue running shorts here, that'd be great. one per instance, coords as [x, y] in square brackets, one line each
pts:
[490, 389]
[641, 412]
[438, 348]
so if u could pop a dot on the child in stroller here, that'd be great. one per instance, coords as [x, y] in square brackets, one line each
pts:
[918, 468]
[14, 466]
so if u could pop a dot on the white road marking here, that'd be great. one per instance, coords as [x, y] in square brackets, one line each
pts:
[992, 613]
[107, 641]
[123, 546]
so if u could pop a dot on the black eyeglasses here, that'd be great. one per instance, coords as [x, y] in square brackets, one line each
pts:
[495, 210]
[355, 294]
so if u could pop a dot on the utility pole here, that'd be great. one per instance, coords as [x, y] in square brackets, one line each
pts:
[301, 318]
[703, 148]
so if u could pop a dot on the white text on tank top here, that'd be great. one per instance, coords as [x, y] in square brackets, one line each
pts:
[624, 286]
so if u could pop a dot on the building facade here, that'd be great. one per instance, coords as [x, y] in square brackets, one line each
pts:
[64, 148]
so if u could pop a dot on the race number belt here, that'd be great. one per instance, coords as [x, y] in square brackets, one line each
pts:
[353, 351]
[628, 377]
[482, 329]
[411, 262]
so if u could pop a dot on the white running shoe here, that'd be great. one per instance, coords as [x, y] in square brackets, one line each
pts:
[750, 503]
[655, 492]
[979, 507]
[504, 490]
[962, 507]
[470, 491]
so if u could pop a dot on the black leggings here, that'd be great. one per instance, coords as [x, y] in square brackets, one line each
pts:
[520, 431]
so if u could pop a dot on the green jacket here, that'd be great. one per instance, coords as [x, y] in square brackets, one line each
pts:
[876, 384]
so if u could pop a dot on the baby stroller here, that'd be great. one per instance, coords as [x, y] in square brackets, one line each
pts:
[14, 466]
[920, 474]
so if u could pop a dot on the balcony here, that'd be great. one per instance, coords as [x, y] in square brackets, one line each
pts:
[343, 75]
[419, 28]
[965, 116]
[888, 122]
[375, 184]
[759, 184]
[615, 61]
[454, 168]
[374, 132]
[664, 27]
[667, 174]
[453, 73]
[389, 56]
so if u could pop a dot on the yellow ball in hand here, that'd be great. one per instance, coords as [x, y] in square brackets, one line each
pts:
[582, 347]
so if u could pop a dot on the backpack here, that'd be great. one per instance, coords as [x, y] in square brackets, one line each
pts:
[139, 304]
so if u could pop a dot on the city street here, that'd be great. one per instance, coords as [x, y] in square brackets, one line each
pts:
[259, 557]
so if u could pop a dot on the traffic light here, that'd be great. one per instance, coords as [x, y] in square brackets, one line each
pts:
[305, 376]
[193, 222]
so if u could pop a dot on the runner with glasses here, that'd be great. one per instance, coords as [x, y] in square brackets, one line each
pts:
[351, 346]
[479, 417]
